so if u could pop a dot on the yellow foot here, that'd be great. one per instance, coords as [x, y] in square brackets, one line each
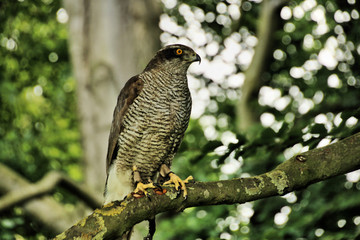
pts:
[178, 182]
[140, 189]
[188, 179]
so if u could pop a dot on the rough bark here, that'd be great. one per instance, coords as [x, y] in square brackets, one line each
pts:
[294, 174]
[109, 42]
[266, 29]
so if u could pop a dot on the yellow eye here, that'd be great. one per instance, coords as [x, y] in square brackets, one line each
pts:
[179, 51]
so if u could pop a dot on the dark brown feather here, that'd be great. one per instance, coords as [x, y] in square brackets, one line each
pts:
[126, 97]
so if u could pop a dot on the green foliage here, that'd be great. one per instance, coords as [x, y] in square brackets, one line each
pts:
[314, 70]
[319, 104]
[39, 130]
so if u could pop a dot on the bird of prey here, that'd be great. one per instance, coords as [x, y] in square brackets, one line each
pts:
[149, 121]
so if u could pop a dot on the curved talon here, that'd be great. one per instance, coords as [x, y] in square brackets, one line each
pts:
[178, 182]
[159, 190]
[178, 192]
[140, 190]
[137, 194]
[158, 186]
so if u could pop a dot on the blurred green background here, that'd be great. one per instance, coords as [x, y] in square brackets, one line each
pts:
[307, 95]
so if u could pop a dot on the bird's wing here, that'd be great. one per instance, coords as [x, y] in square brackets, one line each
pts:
[126, 97]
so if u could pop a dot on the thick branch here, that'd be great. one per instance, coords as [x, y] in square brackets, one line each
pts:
[53, 216]
[47, 185]
[296, 173]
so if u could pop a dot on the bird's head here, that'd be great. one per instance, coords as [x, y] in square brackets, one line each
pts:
[176, 57]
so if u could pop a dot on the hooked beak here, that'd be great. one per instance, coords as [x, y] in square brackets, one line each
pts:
[197, 58]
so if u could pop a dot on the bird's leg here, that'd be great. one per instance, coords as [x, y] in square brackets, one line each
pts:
[158, 189]
[155, 184]
[165, 171]
[140, 187]
[152, 228]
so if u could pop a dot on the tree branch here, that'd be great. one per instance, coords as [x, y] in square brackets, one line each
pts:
[47, 185]
[53, 216]
[296, 173]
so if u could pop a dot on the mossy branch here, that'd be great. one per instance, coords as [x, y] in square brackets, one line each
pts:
[296, 173]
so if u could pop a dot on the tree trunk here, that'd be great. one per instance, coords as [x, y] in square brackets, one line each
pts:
[266, 28]
[109, 42]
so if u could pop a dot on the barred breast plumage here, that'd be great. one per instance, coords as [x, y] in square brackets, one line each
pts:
[150, 118]
[155, 123]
